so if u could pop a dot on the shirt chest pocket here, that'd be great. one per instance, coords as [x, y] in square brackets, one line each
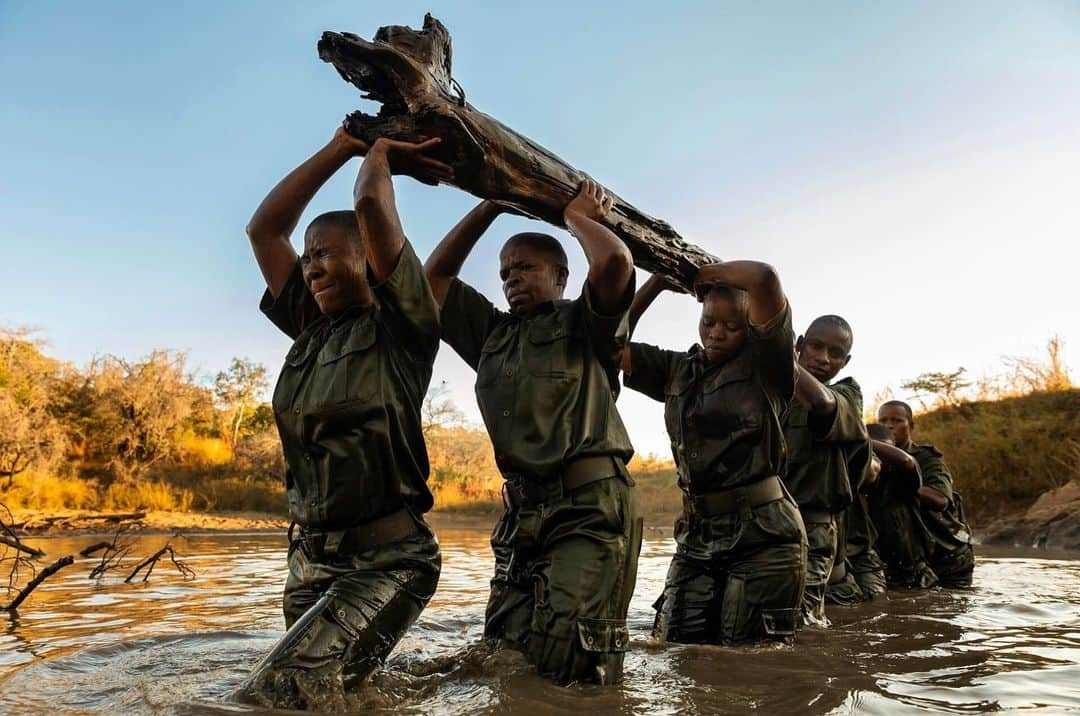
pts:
[554, 350]
[676, 397]
[731, 401]
[492, 358]
[348, 366]
[297, 366]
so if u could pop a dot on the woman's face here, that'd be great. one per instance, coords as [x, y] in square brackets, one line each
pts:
[722, 327]
[333, 268]
[895, 419]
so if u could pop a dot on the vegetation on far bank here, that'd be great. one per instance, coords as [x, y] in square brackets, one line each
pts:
[121, 435]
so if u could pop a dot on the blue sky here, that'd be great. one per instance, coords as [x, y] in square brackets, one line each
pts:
[911, 166]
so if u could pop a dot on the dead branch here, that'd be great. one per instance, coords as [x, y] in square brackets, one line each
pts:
[38, 579]
[409, 73]
[114, 554]
[17, 544]
[150, 562]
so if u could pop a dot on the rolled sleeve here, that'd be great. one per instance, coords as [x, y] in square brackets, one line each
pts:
[847, 424]
[608, 334]
[651, 370]
[295, 308]
[774, 348]
[467, 319]
[406, 296]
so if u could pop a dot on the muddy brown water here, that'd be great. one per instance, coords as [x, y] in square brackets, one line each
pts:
[171, 646]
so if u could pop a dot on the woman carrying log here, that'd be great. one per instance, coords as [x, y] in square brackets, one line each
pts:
[739, 568]
[365, 331]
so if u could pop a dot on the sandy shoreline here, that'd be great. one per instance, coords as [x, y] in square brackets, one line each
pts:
[1053, 522]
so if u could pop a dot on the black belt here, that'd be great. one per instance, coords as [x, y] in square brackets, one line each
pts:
[521, 490]
[735, 499]
[814, 517]
[387, 529]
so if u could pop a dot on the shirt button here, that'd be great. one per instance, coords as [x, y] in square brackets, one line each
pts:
[558, 331]
[693, 454]
[296, 410]
[509, 373]
[307, 456]
[506, 413]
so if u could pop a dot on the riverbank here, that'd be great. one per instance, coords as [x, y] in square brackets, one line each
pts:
[1051, 523]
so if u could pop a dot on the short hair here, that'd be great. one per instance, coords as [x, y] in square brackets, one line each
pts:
[738, 296]
[902, 405]
[344, 220]
[833, 319]
[877, 431]
[542, 242]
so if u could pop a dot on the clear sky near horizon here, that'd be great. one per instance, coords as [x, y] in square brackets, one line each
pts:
[912, 166]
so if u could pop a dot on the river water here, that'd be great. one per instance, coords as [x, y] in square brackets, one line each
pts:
[171, 646]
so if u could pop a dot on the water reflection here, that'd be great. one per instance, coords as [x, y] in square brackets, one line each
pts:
[170, 646]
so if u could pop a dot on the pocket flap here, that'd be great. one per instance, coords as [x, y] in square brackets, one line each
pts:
[301, 350]
[731, 373]
[779, 622]
[603, 635]
[359, 337]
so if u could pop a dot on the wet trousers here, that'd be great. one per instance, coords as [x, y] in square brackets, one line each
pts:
[821, 538]
[736, 577]
[564, 573]
[344, 613]
[903, 545]
[954, 568]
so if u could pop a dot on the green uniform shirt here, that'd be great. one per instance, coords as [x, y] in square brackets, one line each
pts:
[723, 419]
[946, 526]
[347, 403]
[547, 382]
[827, 460]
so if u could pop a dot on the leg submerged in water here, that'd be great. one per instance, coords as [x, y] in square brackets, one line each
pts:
[367, 603]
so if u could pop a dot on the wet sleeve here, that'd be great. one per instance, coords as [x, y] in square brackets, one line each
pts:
[467, 320]
[847, 424]
[652, 368]
[406, 301]
[935, 473]
[774, 349]
[294, 309]
[608, 334]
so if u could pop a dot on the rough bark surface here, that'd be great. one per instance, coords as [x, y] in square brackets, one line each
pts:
[409, 73]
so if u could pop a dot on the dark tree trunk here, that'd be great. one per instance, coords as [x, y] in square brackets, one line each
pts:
[409, 73]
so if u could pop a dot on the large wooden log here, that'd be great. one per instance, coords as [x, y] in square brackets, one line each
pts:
[409, 73]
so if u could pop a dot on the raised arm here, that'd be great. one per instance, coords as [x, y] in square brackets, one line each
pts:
[611, 267]
[812, 393]
[894, 456]
[759, 280]
[445, 262]
[373, 197]
[276, 218]
[653, 287]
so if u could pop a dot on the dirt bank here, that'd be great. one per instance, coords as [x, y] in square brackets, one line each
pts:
[1052, 523]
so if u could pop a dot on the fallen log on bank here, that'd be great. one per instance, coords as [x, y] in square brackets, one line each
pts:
[409, 73]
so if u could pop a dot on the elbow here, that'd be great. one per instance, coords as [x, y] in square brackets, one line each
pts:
[617, 266]
[768, 278]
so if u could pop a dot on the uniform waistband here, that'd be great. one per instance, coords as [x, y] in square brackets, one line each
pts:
[521, 490]
[387, 529]
[814, 517]
[735, 499]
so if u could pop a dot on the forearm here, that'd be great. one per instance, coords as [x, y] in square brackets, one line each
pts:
[277, 216]
[894, 455]
[644, 298]
[445, 262]
[813, 394]
[611, 266]
[932, 498]
[376, 214]
[758, 279]
[280, 211]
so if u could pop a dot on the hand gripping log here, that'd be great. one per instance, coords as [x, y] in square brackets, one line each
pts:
[408, 73]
